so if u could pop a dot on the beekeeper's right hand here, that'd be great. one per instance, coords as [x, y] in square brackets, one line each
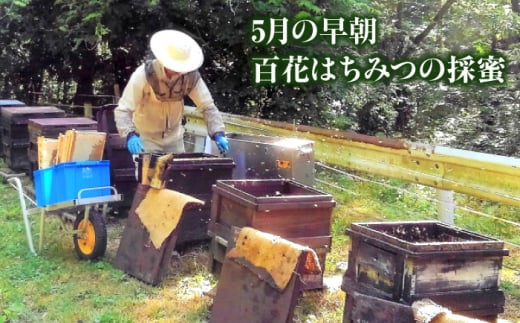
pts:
[134, 144]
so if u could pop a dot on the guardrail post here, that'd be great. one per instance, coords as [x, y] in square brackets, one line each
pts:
[446, 206]
[87, 110]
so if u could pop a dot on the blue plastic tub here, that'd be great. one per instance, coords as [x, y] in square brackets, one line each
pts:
[63, 182]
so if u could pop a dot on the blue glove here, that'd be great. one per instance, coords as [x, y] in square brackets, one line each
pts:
[135, 145]
[222, 142]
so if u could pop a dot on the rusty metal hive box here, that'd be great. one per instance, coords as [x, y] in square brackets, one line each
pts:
[407, 261]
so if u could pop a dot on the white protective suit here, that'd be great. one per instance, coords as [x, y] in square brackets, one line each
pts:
[152, 105]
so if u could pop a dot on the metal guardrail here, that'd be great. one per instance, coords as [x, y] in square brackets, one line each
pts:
[491, 177]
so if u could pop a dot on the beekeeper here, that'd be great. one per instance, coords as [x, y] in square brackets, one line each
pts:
[150, 111]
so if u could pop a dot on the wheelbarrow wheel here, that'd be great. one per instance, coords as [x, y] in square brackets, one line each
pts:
[90, 239]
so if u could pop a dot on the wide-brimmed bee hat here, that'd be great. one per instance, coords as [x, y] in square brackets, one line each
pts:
[176, 50]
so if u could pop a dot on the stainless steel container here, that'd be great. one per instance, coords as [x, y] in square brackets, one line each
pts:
[265, 157]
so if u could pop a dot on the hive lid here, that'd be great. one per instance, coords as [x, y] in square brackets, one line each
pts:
[42, 122]
[198, 160]
[23, 113]
[270, 140]
[11, 103]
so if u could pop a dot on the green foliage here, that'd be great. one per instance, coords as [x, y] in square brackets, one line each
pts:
[79, 48]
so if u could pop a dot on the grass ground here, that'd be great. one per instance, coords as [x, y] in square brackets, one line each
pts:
[57, 287]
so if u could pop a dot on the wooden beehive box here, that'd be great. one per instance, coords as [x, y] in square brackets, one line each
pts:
[15, 133]
[6, 104]
[408, 261]
[285, 208]
[16, 156]
[15, 121]
[122, 168]
[195, 174]
[52, 127]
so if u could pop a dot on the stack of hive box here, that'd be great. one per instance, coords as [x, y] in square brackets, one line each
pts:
[391, 265]
[15, 133]
[7, 104]
[122, 164]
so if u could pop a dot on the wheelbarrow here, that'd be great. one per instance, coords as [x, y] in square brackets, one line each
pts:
[88, 232]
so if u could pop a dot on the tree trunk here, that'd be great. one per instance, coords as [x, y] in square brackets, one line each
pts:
[84, 74]
[436, 20]
[399, 15]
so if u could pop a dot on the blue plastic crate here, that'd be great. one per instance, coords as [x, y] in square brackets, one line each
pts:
[62, 182]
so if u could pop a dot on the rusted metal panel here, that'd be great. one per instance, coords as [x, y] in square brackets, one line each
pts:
[408, 261]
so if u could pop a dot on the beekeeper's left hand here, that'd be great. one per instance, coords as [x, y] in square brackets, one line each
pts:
[222, 142]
